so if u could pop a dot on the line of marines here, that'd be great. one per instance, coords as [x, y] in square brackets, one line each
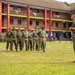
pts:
[30, 40]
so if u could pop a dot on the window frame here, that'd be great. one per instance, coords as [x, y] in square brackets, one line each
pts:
[19, 21]
[56, 24]
[11, 8]
[20, 9]
[31, 10]
[37, 10]
[64, 25]
[31, 22]
[11, 21]
[37, 23]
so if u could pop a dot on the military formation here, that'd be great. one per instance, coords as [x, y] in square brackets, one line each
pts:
[26, 40]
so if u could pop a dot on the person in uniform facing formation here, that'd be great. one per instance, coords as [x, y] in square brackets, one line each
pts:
[8, 40]
[73, 30]
[25, 34]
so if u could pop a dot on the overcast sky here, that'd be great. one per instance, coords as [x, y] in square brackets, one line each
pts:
[69, 1]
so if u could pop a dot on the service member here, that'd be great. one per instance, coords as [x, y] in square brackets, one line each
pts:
[35, 39]
[14, 38]
[8, 40]
[42, 35]
[25, 34]
[73, 30]
[19, 39]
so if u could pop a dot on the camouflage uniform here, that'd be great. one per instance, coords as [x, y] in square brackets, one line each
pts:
[14, 38]
[8, 40]
[25, 39]
[39, 38]
[42, 35]
[19, 40]
[35, 40]
[30, 41]
[73, 35]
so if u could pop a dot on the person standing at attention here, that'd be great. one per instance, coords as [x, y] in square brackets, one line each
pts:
[72, 28]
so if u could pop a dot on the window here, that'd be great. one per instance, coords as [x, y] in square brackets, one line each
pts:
[64, 34]
[57, 13]
[3, 7]
[64, 25]
[37, 23]
[19, 9]
[69, 25]
[19, 21]
[56, 24]
[30, 22]
[43, 22]
[2, 20]
[37, 11]
[11, 21]
[31, 10]
[11, 8]
[52, 24]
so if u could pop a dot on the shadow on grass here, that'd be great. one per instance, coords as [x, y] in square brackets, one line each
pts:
[73, 61]
[51, 63]
[6, 51]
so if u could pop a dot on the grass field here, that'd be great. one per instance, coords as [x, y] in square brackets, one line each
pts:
[57, 60]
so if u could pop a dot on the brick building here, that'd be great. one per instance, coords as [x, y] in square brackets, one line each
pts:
[53, 15]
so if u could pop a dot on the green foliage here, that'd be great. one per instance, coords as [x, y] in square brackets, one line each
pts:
[57, 60]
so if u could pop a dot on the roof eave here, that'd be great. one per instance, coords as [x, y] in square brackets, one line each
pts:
[33, 6]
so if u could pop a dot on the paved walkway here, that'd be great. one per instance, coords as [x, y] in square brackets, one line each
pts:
[63, 41]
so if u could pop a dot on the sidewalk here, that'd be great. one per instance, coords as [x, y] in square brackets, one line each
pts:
[63, 41]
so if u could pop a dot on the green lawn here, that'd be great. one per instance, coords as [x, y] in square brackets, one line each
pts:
[57, 60]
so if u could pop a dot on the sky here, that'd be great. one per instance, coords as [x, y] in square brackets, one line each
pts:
[69, 1]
